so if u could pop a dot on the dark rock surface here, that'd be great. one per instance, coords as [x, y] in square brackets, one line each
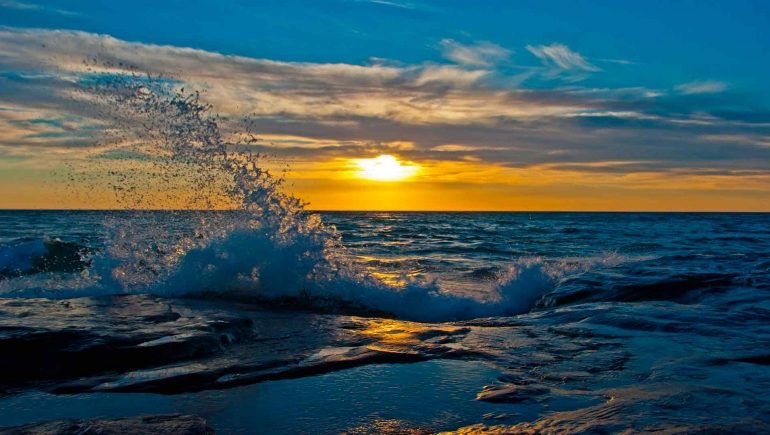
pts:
[144, 343]
[149, 425]
[589, 368]
[49, 341]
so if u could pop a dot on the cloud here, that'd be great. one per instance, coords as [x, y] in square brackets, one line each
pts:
[618, 61]
[702, 87]
[483, 54]
[456, 148]
[328, 110]
[560, 56]
[395, 4]
[449, 75]
[23, 6]
[413, 94]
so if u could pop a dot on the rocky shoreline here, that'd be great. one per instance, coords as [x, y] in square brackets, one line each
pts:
[143, 343]
[573, 369]
[142, 425]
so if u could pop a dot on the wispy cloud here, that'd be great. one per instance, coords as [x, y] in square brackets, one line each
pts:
[483, 54]
[24, 6]
[395, 4]
[416, 94]
[702, 87]
[618, 61]
[464, 112]
[560, 56]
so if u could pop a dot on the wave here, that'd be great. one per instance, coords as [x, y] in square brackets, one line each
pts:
[30, 256]
[683, 288]
[267, 248]
[250, 264]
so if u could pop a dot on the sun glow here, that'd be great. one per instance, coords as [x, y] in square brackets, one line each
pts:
[385, 168]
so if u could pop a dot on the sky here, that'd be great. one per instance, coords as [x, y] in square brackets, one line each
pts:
[484, 105]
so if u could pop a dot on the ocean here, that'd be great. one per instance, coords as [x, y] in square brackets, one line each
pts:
[391, 321]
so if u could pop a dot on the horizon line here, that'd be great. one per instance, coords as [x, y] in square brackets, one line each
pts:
[386, 211]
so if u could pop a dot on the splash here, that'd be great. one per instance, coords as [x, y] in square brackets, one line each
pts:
[265, 247]
[38, 255]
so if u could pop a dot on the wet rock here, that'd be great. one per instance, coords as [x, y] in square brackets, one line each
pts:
[511, 393]
[149, 425]
[142, 343]
[541, 427]
[211, 375]
[387, 427]
[44, 340]
[492, 322]
[628, 410]
[498, 416]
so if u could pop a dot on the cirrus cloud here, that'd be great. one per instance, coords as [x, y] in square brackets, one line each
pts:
[480, 54]
[702, 87]
[562, 57]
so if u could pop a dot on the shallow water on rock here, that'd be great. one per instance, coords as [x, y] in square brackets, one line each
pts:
[425, 394]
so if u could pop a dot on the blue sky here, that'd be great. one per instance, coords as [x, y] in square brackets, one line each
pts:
[630, 89]
[671, 42]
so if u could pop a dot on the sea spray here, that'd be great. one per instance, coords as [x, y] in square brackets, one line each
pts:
[266, 245]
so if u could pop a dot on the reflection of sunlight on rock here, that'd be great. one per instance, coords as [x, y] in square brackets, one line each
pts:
[387, 427]
[400, 332]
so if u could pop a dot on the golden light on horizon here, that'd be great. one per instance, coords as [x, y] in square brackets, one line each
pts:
[385, 168]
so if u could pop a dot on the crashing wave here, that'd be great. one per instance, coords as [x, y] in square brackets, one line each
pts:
[267, 246]
[30, 256]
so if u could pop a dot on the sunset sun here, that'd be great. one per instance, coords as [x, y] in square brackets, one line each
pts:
[385, 168]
